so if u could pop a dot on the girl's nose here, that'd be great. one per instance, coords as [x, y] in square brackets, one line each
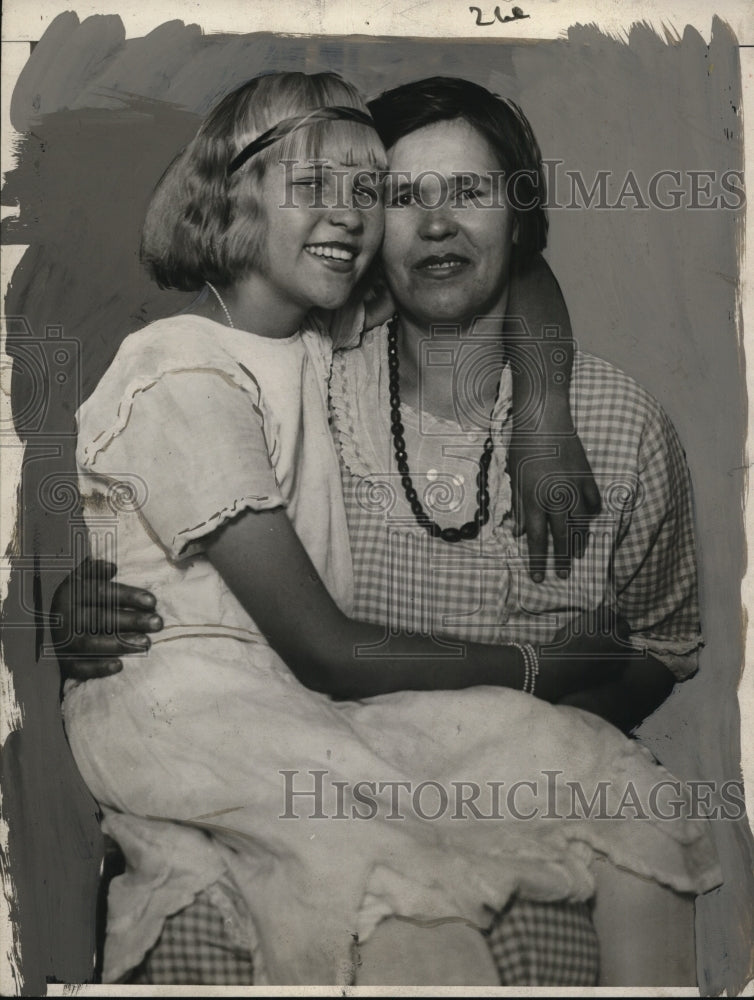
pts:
[347, 216]
[437, 223]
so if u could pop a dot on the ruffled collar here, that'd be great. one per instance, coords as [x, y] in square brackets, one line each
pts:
[360, 405]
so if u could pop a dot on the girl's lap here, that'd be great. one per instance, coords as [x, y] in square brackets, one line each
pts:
[225, 723]
[248, 723]
[247, 719]
[185, 737]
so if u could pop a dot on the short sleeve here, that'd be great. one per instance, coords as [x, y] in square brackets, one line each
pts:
[655, 562]
[199, 443]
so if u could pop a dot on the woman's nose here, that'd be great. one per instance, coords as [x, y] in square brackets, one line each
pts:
[437, 223]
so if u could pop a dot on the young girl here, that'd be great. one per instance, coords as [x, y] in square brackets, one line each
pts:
[248, 744]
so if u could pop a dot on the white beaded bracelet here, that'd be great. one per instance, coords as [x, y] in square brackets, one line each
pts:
[525, 658]
[534, 666]
[531, 665]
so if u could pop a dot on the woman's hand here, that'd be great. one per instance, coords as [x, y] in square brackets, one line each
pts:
[553, 490]
[552, 481]
[95, 621]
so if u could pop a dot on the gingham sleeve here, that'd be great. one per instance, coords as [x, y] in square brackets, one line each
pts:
[654, 565]
[198, 442]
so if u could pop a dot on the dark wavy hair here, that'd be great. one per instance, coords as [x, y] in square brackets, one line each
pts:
[202, 225]
[405, 109]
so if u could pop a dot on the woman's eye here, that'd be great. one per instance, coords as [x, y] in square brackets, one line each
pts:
[468, 195]
[402, 199]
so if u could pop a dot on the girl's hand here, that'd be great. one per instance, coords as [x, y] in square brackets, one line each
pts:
[590, 665]
[590, 651]
[94, 621]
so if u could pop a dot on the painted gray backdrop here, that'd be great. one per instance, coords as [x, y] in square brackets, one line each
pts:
[653, 291]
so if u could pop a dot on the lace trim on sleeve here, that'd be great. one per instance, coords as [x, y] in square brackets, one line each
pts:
[678, 655]
[352, 390]
[184, 542]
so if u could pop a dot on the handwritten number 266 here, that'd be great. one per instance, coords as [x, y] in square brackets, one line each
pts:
[516, 14]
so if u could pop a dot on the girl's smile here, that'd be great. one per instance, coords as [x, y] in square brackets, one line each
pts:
[339, 255]
[321, 237]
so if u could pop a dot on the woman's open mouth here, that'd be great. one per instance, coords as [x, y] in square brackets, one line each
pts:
[441, 265]
[337, 256]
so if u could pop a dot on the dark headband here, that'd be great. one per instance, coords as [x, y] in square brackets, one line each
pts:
[288, 125]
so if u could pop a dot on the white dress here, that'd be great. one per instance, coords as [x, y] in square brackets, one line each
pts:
[198, 753]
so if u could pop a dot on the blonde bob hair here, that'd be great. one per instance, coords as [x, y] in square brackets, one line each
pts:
[204, 225]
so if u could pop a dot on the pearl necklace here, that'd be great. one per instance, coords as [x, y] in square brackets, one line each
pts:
[220, 300]
[481, 517]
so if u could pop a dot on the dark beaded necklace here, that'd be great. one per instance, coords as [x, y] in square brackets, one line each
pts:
[471, 528]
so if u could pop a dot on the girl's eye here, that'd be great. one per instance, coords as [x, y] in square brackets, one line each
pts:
[313, 191]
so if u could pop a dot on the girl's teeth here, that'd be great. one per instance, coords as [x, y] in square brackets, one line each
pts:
[445, 264]
[324, 251]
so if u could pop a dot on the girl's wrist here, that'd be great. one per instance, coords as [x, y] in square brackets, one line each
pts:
[510, 670]
[530, 664]
[551, 687]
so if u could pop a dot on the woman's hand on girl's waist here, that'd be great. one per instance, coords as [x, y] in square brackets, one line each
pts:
[96, 620]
